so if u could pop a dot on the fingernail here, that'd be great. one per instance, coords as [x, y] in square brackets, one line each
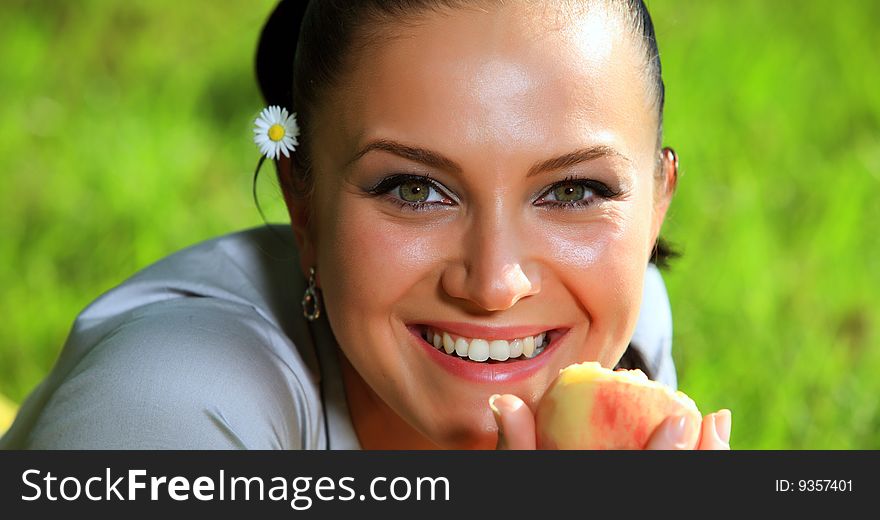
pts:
[676, 432]
[495, 410]
[722, 425]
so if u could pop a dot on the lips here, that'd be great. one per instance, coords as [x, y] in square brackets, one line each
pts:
[482, 349]
[488, 354]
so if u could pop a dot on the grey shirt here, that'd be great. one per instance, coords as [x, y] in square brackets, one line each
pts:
[208, 349]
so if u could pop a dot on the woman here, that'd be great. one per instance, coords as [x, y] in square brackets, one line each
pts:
[475, 195]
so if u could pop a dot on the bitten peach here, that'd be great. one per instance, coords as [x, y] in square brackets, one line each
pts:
[589, 407]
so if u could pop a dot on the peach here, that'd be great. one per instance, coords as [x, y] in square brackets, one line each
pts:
[588, 407]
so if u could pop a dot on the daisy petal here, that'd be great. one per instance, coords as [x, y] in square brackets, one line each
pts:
[269, 117]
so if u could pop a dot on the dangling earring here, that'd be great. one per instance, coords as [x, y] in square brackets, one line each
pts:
[311, 301]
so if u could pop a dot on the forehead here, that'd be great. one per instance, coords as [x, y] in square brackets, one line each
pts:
[523, 77]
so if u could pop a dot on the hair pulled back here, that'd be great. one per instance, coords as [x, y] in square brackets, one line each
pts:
[304, 45]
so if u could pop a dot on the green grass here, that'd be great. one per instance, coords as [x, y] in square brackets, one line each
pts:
[125, 130]
[775, 110]
[124, 136]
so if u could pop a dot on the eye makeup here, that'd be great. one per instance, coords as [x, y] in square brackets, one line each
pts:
[391, 189]
[397, 187]
[590, 190]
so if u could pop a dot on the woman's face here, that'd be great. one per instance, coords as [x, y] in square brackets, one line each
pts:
[489, 177]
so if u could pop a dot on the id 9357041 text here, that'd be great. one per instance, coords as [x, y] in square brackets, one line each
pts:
[813, 486]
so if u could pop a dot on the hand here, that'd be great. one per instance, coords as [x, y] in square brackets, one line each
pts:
[714, 433]
[516, 428]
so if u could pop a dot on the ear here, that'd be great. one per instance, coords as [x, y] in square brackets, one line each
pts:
[299, 209]
[667, 181]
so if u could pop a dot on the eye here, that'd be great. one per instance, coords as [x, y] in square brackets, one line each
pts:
[575, 192]
[412, 191]
[570, 192]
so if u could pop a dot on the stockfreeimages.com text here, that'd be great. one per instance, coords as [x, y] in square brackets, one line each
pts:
[301, 492]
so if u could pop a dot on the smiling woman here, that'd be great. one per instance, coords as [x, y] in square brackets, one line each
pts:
[475, 196]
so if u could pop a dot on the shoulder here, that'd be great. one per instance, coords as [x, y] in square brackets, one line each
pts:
[187, 356]
[183, 374]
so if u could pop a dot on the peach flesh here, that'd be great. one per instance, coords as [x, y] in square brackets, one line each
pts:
[588, 407]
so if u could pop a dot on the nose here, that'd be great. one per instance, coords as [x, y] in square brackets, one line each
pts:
[494, 268]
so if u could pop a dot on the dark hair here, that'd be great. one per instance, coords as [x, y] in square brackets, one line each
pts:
[314, 37]
[304, 44]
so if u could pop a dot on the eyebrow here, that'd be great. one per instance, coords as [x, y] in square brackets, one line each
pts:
[420, 155]
[436, 160]
[579, 156]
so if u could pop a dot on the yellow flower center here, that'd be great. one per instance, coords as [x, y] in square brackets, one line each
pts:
[276, 132]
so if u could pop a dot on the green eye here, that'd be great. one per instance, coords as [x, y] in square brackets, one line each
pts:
[569, 192]
[415, 191]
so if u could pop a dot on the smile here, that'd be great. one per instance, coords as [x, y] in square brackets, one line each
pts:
[482, 350]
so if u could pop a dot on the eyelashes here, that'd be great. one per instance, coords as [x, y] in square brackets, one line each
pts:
[422, 193]
[590, 192]
[405, 185]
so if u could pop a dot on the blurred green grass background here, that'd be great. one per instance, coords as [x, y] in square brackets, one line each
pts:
[125, 135]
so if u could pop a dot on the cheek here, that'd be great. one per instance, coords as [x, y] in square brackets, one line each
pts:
[370, 260]
[602, 266]
[616, 238]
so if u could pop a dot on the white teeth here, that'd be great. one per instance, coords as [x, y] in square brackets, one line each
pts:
[461, 347]
[448, 344]
[516, 348]
[499, 350]
[528, 346]
[478, 350]
[482, 350]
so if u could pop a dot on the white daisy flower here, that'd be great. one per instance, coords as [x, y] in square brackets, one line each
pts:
[276, 132]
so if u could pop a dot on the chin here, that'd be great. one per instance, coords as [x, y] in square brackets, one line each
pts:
[468, 438]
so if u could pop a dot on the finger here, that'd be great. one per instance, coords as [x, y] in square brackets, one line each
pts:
[516, 424]
[715, 434]
[679, 432]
